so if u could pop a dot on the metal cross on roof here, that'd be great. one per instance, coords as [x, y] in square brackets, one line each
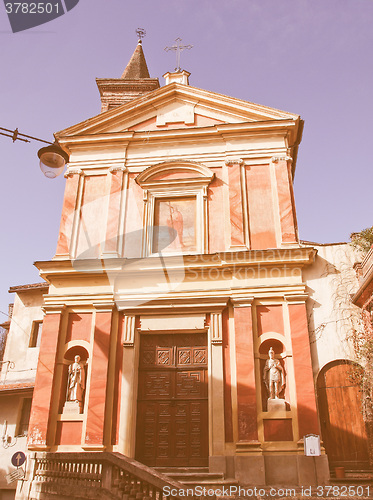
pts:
[178, 48]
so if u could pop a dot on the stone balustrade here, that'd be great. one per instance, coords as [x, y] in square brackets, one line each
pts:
[99, 475]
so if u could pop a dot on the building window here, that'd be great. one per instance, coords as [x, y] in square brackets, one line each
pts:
[36, 333]
[25, 417]
[175, 225]
[175, 212]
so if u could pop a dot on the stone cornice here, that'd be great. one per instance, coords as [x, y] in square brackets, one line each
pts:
[223, 132]
[278, 257]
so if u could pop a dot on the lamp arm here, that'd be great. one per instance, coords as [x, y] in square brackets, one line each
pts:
[15, 135]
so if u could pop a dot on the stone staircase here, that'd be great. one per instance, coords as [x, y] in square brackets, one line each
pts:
[98, 475]
[192, 477]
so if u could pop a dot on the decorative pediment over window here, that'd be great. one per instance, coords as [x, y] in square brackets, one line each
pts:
[175, 197]
[175, 174]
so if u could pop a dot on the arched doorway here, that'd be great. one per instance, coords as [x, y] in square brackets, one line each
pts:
[342, 425]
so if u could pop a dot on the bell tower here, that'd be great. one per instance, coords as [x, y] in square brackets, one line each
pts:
[134, 82]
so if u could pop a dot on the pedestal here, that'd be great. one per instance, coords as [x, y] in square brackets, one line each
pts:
[276, 404]
[72, 408]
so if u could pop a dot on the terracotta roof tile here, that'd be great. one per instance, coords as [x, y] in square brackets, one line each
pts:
[6, 388]
[32, 286]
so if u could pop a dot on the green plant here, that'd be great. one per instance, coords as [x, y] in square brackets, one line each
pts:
[363, 240]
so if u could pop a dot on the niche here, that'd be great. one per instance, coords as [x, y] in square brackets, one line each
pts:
[74, 380]
[273, 373]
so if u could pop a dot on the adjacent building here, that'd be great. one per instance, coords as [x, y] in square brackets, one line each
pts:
[17, 376]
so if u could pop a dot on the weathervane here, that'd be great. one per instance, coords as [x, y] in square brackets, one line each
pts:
[178, 48]
[140, 33]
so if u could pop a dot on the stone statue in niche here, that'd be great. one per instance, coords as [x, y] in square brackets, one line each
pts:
[75, 387]
[274, 380]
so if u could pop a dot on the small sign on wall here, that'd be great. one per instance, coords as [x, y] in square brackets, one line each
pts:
[15, 475]
[312, 446]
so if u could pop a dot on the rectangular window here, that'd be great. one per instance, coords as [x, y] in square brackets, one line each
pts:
[36, 333]
[25, 417]
[174, 228]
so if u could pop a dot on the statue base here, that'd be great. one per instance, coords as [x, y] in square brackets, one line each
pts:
[276, 404]
[72, 408]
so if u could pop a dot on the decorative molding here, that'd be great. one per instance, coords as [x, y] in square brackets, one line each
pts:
[276, 159]
[203, 175]
[216, 327]
[72, 171]
[234, 161]
[129, 331]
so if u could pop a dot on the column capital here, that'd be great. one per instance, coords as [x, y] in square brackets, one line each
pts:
[129, 330]
[216, 326]
[242, 301]
[54, 308]
[72, 171]
[104, 306]
[276, 159]
[117, 168]
[234, 161]
[299, 298]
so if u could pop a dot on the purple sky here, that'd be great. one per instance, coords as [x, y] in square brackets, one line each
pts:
[311, 57]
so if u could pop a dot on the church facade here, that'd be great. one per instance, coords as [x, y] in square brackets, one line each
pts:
[177, 320]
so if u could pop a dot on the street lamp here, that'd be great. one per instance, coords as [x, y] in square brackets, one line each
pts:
[52, 158]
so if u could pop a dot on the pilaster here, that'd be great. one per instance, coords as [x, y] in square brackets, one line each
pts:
[216, 390]
[237, 203]
[69, 211]
[95, 424]
[38, 438]
[114, 235]
[305, 390]
[286, 204]
[246, 384]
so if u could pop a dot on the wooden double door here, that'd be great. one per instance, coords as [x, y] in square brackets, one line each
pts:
[342, 424]
[172, 409]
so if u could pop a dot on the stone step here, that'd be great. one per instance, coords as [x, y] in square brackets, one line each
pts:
[195, 475]
[351, 480]
[210, 483]
[166, 470]
[353, 476]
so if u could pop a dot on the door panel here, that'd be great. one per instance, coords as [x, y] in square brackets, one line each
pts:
[172, 421]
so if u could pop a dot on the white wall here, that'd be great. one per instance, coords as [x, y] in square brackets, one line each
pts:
[27, 308]
[332, 317]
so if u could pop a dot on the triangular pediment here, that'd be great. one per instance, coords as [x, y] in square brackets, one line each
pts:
[176, 106]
